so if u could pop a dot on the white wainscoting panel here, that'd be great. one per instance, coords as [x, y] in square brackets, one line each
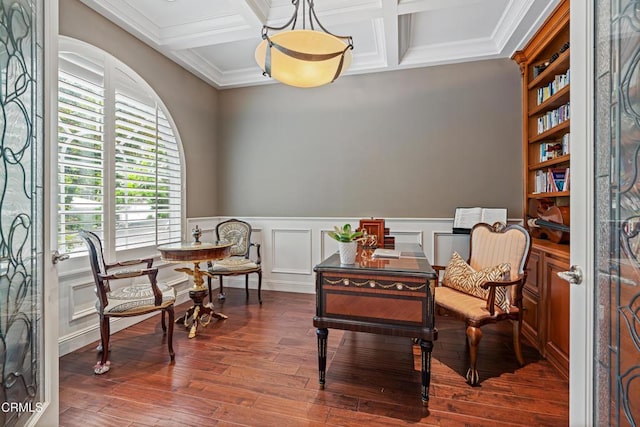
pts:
[291, 251]
[290, 248]
[83, 301]
[328, 245]
[445, 243]
[408, 237]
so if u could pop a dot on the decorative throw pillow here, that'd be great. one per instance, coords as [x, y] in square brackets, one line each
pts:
[461, 276]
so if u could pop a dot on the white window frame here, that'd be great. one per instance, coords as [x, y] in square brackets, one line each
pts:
[118, 76]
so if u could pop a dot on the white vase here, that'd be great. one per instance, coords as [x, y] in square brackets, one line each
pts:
[348, 252]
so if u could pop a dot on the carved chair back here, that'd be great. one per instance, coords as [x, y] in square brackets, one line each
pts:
[237, 232]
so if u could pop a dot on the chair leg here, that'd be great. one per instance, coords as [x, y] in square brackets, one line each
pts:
[105, 330]
[260, 286]
[246, 286]
[221, 295]
[162, 322]
[209, 285]
[474, 335]
[170, 336]
[517, 326]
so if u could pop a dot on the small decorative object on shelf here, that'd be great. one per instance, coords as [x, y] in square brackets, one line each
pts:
[196, 233]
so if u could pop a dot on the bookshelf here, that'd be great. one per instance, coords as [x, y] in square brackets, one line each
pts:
[546, 141]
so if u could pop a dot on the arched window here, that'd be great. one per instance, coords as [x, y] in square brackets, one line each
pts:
[120, 170]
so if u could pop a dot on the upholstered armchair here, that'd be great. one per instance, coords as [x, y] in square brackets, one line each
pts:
[487, 289]
[239, 262]
[132, 300]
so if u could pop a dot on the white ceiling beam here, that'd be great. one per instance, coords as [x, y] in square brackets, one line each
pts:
[125, 16]
[336, 13]
[220, 30]
[391, 21]
[255, 12]
[516, 34]
[415, 6]
[390, 29]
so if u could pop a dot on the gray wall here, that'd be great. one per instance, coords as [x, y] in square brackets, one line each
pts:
[412, 143]
[191, 102]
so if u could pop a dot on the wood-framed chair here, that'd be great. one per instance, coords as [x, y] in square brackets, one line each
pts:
[487, 289]
[239, 262]
[132, 300]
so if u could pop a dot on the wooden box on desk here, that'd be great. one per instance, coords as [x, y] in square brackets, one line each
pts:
[374, 227]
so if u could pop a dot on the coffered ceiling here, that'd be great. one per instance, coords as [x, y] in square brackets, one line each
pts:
[216, 39]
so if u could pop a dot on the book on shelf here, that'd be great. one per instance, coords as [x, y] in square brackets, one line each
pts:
[386, 253]
[552, 180]
[553, 118]
[547, 91]
[565, 143]
[466, 218]
[557, 179]
[550, 150]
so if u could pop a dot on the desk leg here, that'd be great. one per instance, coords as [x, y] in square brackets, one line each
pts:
[425, 350]
[322, 334]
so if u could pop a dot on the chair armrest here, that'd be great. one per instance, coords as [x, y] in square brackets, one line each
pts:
[438, 269]
[257, 246]
[519, 281]
[125, 274]
[487, 285]
[151, 272]
[148, 261]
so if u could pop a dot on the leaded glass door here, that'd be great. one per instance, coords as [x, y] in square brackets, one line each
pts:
[616, 326]
[27, 392]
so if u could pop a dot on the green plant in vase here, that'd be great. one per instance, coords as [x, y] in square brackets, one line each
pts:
[347, 242]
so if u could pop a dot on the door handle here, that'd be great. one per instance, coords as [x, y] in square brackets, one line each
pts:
[57, 257]
[574, 275]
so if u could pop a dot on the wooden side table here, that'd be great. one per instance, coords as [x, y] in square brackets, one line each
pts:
[196, 252]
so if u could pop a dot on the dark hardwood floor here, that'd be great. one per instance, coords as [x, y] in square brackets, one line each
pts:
[259, 368]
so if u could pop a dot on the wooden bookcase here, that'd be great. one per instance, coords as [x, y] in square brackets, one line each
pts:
[546, 92]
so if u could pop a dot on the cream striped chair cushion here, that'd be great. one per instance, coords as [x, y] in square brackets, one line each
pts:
[137, 299]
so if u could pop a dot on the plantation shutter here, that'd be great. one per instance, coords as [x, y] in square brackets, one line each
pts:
[147, 175]
[80, 157]
[119, 164]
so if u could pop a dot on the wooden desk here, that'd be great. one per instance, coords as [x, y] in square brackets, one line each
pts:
[196, 253]
[380, 296]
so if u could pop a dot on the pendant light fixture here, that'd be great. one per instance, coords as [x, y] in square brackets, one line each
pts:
[306, 57]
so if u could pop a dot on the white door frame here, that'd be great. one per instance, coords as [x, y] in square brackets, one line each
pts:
[50, 353]
[581, 386]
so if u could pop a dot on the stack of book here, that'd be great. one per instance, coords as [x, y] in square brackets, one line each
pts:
[552, 180]
[551, 150]
[546, 92]
[553, 118]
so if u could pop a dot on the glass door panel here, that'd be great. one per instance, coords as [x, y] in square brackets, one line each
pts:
[617, 213]
[21, 210]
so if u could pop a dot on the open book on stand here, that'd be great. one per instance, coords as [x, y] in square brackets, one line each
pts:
[466, 218]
